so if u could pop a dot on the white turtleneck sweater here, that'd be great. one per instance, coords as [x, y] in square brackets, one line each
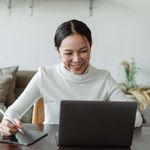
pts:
[57, 83]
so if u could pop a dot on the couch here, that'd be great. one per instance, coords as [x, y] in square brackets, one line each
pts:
[20, 80]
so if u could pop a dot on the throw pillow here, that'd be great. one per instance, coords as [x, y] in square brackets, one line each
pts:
[11, 91]
[5, 81]
[3, 107]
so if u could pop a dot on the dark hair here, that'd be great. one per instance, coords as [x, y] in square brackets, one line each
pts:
[71, 27]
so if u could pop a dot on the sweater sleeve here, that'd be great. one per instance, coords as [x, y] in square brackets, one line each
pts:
[26, 99]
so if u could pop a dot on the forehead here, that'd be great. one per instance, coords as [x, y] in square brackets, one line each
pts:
[74, 41]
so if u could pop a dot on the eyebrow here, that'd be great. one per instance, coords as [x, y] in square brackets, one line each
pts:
[80, 48]
[67, 50]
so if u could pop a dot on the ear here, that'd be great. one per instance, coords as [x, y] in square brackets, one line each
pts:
[58, 52]
[57, 49]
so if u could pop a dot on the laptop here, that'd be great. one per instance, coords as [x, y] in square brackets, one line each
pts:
[96, 123]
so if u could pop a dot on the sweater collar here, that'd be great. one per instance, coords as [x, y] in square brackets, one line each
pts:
[75, 77]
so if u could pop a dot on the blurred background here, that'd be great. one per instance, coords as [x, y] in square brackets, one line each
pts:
[120, 30]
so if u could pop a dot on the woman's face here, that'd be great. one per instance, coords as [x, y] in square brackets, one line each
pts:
[75, 52]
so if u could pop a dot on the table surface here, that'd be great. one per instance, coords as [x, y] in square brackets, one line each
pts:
[141, 140]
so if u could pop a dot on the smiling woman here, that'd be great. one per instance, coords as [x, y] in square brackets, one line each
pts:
[74, 78]
[75, 47]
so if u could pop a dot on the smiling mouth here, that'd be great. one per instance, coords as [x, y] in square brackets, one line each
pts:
[77, 66]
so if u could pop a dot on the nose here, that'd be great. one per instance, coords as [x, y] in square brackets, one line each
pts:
[76, 58]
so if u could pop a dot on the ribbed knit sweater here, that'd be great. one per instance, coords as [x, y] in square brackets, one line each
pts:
[56, 83]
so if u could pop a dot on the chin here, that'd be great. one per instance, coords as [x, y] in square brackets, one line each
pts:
[77, 72]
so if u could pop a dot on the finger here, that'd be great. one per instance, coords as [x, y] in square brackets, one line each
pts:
[18, 123]
[7, 127]
[8, 123]
[8, 131]
[5, 130]
[15, 125]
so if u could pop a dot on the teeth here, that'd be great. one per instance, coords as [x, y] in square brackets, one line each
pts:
[76, 66]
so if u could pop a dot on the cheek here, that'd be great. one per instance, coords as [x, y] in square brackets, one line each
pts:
[61, 56]
[65, 59]
[86, 57]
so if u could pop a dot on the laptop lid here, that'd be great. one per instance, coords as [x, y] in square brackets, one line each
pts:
[96, 123]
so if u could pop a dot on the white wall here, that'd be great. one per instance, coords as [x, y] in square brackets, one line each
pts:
[121, 29]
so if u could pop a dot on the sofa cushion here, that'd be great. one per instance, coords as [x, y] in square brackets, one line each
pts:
[5, 81]
[23, 77]
[22, 80]
[10, 71]
[3, 107]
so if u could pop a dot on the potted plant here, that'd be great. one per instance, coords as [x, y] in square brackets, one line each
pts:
[130, 87]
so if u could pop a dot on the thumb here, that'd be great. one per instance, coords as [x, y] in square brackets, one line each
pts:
[18, 123]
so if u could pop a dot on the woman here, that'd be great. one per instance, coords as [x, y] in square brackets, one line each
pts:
[73, 78]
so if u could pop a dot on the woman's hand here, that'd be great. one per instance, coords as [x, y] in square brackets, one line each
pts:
[8, 128]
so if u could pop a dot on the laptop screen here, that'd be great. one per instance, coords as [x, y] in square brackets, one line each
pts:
[96, 123]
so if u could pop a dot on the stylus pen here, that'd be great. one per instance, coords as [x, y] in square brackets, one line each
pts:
[10, 119]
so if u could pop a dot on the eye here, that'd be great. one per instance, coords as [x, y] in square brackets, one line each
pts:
[69, 53]
[84, 51]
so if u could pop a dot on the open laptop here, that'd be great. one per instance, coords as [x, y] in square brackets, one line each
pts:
[96, 124]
